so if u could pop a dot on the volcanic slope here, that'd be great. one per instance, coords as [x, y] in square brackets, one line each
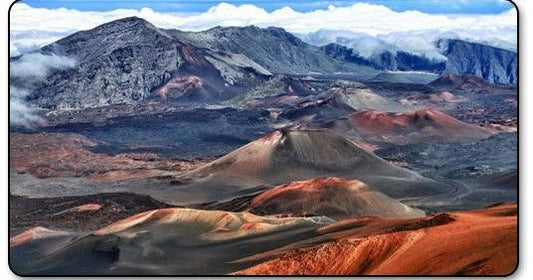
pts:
[274, 48]
[477, 242]
[164, 241]
[337, 102]
[187, 241]
[422, 125]
[333, 197]
[291, 155]
[129, 60]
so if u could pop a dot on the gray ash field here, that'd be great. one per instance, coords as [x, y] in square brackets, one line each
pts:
[190, 133]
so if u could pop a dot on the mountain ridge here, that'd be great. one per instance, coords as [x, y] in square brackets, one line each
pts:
[462, 58]
[129, 60]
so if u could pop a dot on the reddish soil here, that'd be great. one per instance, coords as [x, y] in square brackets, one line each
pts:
[478, 242]
[424, 123]
[496, 127]
[334, 197]
[85, 207]
[67, 155]
[83, 213]
[33, 234]
[371, 148]
[181, 84]
[461, 82]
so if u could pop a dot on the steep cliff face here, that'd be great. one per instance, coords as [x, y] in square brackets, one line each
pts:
[129, 60]
[400, 60]
[495, 65]
[274, 48]
[119, 62]
[492, 64]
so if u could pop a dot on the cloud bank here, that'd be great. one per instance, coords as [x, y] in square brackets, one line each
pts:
[21, 113]
[36, 66]
[409, 30]
[26, 72]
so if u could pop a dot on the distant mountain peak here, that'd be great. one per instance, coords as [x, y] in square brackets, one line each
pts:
[130, 20]
[89, 44]
[445, 42]
[130, 23]
[124, 24]
[494, 65]
[273, 48]
[253, 29]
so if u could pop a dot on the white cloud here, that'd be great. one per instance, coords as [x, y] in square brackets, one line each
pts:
[364, 44]
[373, 20]
[417, 43]
[36, 66]
[27, 71]
[21, 113]
[29, 40]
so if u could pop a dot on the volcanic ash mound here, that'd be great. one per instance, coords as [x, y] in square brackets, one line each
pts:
[293, 155]
[333, 197]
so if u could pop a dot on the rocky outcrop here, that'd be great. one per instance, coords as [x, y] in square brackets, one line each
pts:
[118, 62]
[130, 60]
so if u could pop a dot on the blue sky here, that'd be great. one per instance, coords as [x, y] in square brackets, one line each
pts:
[188, 6]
